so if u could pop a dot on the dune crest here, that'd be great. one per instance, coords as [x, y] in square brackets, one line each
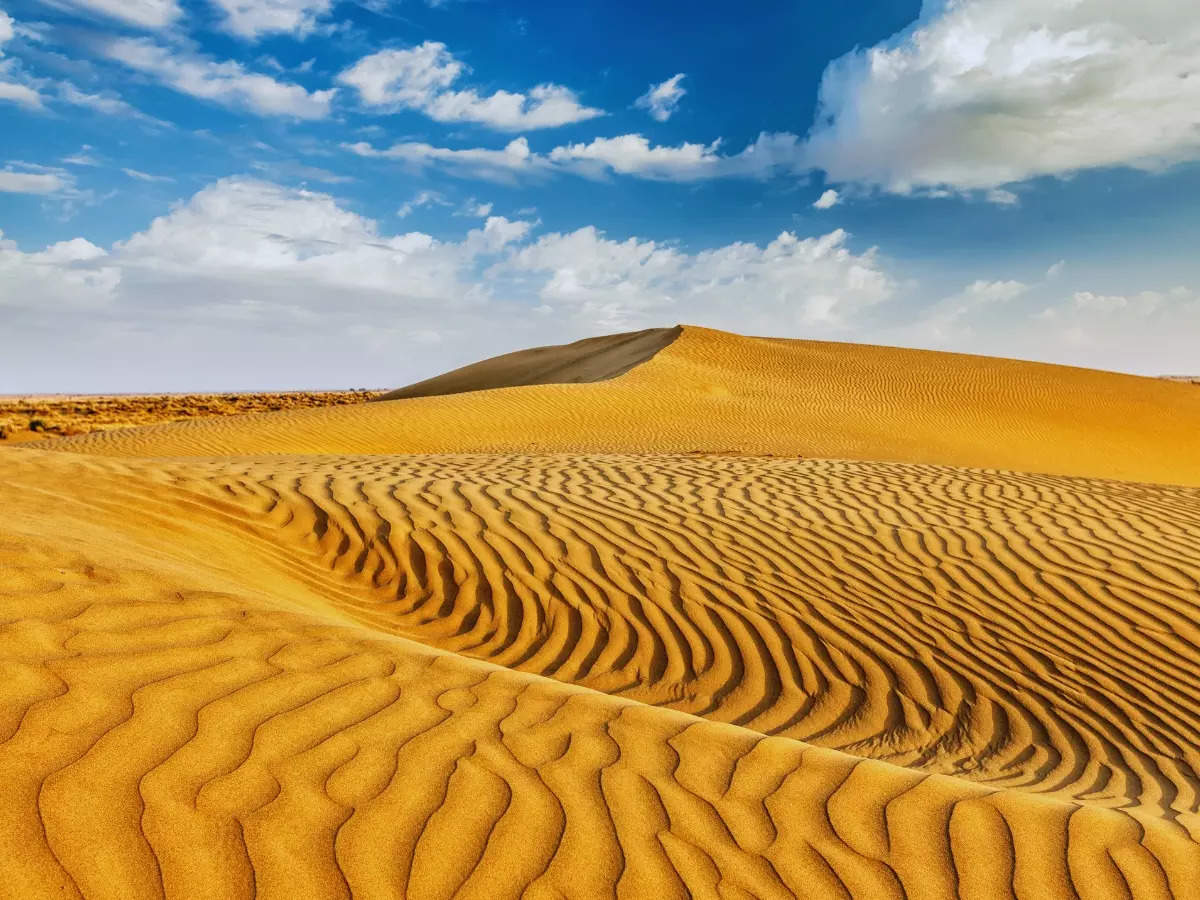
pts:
[712, 392]
[583, 362]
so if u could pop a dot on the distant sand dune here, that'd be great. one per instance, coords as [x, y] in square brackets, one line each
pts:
[712, 392]
[602, 659]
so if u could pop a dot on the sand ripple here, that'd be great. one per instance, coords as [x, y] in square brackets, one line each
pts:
[565, 676]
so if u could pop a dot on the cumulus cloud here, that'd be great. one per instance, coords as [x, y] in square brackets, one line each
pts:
[983, 93]
[69, 275]
[827, 200]
[422, 78]
[253, 18]
[264, 278]
[151, 14]
[661, 100]
[791, 286]
[629, 154]
[228, 83]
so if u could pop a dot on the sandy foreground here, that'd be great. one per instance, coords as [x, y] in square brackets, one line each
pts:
[680, 613]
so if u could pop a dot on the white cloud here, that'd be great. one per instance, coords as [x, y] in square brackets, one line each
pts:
[1001, 197]
[253, 18]
[497, 165]
[661, 100]
[228, 83]
[791, 286]
[65, 276]
[1150, 332]
[21, 94]
[1057, 269]
[421, 78]
[1153, 332]
[145, 176]
[630, 154]
[106, 104]
[633, 154]
[475, 209]
[983, 93]
[11, 91]
[12, 182]
[827, 200]
[141, 13]
[247, 280]
[421, 199]
[82, 158]
[951, 323]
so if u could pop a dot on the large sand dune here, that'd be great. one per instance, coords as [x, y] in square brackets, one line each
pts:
[711, 392]
[599, 672]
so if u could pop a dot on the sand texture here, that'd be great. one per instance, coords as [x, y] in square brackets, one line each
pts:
[712, 392]
[231, 666]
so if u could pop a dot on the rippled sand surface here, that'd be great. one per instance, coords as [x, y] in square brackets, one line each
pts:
[593, 659]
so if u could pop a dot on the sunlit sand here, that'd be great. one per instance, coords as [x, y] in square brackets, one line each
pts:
[665, 614]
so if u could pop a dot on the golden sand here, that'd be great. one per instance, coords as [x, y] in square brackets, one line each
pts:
[711, 392]
[611, 671]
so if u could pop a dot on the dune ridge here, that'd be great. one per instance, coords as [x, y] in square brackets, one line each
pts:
[230, 671]
[758, 397]
[589, 360]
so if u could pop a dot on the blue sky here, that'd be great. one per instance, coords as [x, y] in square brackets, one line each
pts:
[239, 194]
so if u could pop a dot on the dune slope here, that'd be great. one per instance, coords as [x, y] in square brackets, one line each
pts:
[589, 360]
[569, 676]
[712, 392]
[636, 648]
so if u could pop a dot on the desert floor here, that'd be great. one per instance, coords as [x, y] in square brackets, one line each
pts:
[669, 614]
[41, 417]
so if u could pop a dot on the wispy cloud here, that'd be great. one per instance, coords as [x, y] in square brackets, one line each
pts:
[661, 100]
[228, 83]
[145, 176]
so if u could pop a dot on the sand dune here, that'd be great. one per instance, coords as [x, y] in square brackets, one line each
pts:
[589, 360]
[582, 674]
[711, 392]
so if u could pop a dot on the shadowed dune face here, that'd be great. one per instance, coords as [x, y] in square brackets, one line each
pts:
[586, 361]
[429, 676]
[711, 392]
